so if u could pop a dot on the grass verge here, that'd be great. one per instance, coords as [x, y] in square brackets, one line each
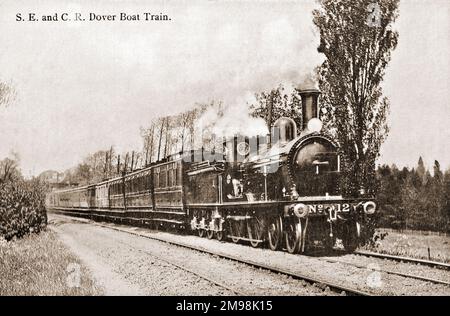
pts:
[39, 264]
[415, 246]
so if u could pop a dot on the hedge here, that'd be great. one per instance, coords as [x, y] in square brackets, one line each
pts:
[22, 208]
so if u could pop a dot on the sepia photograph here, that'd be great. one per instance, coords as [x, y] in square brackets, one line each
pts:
[227, 150]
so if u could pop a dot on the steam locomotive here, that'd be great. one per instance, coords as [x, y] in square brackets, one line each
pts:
[280, 190]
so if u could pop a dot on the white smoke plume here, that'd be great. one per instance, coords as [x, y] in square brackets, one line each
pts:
[225, 120]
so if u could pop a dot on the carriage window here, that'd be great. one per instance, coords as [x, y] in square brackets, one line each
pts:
[170, 177]
[167, 176]
[137, 184]
[163, 178]
[156, 180]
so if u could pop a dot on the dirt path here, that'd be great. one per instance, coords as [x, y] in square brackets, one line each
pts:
[111, 282]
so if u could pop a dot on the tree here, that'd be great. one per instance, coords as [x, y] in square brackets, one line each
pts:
[186, 125]
[357, 40]
[9, 169]
[168, 136]
[148, 137]
[436, 195]
[421, 171]
[446, 206]
[438, 176]
[7, 94]
[94, 168]
[160, 125]
[171, 134]
[271, 105]
[410, 208]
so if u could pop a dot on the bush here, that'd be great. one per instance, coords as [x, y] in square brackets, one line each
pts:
[22, 208]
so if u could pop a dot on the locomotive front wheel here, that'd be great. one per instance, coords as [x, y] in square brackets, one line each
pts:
[274, 233]
[293, 231]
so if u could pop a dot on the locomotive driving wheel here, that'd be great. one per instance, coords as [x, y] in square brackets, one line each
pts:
[255, 229]
[201, 232]
[236, 230]
[293, 232]
[274, 233]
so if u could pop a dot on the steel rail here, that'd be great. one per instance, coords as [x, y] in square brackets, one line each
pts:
[198, 274]
[406, 275]
[430, 263]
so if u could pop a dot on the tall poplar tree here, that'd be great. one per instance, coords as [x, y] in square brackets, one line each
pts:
[357, 39]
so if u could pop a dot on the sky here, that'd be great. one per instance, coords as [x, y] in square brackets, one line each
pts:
[84, 86]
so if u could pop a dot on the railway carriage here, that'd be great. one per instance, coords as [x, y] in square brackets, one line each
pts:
[72, 201]
[280, 190]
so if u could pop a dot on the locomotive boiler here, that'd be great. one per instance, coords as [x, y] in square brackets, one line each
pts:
[280, 190]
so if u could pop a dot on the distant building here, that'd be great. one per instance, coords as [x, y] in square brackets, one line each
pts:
[53, 178]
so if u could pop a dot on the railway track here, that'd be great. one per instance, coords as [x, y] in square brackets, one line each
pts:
[316, 281]
[310, 279]
[321, 283]
[406, 275]
[434, 264]
[196, 273]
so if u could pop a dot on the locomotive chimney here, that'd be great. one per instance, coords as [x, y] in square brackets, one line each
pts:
[310, 105]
